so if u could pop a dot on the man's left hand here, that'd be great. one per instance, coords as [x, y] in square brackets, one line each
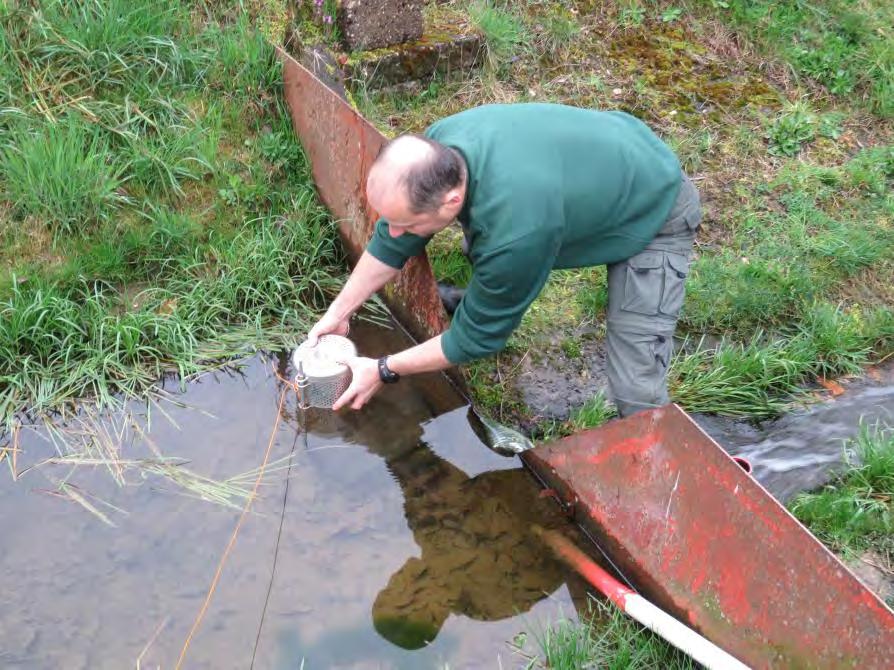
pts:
[365, 383]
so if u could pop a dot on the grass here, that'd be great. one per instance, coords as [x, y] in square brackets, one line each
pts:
[844, 46]
[157, 212]
[608, 639]
[58, 175]
[855, 513]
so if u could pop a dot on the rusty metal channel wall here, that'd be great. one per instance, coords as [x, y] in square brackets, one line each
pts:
[341, 146]
[689, 527]
[710, 545]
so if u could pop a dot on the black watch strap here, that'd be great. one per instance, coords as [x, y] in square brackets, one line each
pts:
[385, 373]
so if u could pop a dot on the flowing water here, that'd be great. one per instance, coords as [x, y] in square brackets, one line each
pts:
[398, 540]
[804, 449]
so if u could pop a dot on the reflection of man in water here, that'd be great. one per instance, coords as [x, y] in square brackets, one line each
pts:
[479, 557]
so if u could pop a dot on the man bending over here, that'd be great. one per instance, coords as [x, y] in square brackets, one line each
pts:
[535, 187]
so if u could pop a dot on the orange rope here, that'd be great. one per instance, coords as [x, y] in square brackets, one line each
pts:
[232, 541]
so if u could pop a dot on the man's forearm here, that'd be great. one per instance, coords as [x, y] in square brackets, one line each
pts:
[425, 357]
[369, 275]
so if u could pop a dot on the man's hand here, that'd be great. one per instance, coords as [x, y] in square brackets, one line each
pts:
[328, 324]
[364, 384]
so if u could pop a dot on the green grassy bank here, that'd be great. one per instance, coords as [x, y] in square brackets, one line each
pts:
[156, 211]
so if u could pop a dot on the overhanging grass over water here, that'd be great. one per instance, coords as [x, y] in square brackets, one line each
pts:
[157, 213]
[855, 513]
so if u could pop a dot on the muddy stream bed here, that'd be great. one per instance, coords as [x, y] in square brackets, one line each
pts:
[398, 539]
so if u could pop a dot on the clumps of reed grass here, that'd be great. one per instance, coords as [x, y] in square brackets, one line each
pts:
[762, 377]
[60, 174]
[62, 342]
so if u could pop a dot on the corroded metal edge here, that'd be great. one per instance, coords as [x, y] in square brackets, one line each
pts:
[341, 146]
[706, 542]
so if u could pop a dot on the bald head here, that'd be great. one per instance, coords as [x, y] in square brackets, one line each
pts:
[422, 170]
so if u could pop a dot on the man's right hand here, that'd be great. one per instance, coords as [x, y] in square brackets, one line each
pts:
[328, 324]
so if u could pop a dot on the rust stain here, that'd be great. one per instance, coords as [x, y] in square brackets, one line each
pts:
[831, 386]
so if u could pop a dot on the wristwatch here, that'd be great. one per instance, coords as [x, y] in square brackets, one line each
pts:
[385, 373]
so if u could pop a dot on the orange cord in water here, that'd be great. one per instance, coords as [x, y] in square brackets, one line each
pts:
[232, 541]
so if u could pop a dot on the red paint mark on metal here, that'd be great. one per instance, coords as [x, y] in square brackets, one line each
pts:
[704, 541]
[341, 146]
[625, 448]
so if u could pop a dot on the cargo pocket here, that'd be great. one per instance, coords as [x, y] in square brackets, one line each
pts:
[676, 267]
[643, 283]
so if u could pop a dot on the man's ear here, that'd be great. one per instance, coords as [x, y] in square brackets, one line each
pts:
[453, 198]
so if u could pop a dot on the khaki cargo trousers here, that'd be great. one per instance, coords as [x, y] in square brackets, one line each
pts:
[645, 295]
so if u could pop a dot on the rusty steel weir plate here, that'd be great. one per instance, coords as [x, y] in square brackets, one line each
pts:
[707, 543]
[341, 146]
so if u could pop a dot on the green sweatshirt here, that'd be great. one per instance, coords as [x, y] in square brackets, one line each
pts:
[550, 186]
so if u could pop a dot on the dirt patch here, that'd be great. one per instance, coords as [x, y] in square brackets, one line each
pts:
[876, 573]
[553, 384]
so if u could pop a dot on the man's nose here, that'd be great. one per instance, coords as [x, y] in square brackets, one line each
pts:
[395, 232]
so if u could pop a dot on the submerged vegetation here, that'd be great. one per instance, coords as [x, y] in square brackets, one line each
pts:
[156, 211]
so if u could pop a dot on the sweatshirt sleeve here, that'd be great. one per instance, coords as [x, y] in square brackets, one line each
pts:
[503, 286]
[394, 251]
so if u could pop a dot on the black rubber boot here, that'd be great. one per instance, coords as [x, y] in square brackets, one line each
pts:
[450, 296]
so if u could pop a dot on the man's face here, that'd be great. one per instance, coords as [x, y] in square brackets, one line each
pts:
[392, 205]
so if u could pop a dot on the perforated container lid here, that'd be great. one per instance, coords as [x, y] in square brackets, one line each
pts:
[321, 361]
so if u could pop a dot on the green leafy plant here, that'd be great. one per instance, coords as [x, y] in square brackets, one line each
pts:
[632, 14]
[791, 130]
[671, 14]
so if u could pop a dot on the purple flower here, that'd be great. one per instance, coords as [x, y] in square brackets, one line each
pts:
[327, 19]
[318, 3]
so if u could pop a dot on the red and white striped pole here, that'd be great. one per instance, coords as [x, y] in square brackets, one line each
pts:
[657, 620]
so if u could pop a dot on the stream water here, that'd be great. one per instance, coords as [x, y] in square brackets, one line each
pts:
[805, 448]
[386, 538]
[400, 541]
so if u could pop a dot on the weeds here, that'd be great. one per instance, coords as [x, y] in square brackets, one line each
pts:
[59, 175]
[171, 248]
[504, 30]
[856, 512]
[594, 413]
[792, 129]
[845, 50]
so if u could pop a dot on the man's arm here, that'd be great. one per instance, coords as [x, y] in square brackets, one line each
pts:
[369, 275]
[365, 381]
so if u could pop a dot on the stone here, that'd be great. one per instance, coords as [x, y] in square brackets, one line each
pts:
[372, 24]
[445, 55]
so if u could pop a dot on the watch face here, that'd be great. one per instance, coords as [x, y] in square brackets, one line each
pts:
[385, 374]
